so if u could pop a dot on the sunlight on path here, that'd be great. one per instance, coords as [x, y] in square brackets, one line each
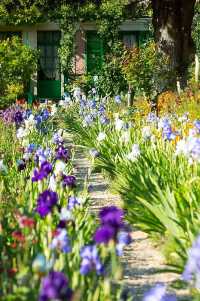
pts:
[142, 261]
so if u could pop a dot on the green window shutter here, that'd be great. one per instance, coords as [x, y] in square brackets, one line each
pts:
[94, 52]
[144, 37]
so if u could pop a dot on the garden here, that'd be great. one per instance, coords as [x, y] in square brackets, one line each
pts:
[99, 190]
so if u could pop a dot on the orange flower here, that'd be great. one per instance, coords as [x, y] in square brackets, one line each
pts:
[21, 101]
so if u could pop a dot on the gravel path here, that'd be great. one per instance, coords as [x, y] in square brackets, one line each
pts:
[142, 261]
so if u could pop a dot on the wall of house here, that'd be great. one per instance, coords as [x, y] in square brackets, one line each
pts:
[29, 36]
[79, 63]
[142, 24]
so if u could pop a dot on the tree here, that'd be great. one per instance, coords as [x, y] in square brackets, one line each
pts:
[196, 37]
[172, 22]
[18, 63]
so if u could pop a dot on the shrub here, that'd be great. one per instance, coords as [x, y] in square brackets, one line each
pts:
[111, 80]
[147, 70]
[85, 82]
[17, 64]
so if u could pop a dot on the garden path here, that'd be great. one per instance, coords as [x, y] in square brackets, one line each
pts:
[142, 262]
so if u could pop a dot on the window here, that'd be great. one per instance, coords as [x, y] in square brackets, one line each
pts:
[9, 34]
[130, 39]
[49, 67]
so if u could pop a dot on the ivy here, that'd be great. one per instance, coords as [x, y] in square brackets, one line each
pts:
[107, 14]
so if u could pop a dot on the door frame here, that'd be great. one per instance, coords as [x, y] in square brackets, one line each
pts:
[50, 81]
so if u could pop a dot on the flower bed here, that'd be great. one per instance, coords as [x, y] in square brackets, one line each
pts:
[153, 163]
[52, 247]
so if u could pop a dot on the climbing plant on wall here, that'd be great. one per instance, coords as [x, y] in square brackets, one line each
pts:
[108, 15]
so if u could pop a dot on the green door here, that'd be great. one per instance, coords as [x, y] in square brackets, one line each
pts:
[94, 52]
[144, 37]
[49, 77]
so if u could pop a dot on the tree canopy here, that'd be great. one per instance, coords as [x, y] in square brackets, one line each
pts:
[33, 11]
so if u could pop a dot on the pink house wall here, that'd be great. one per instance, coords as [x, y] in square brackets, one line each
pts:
[80, 40]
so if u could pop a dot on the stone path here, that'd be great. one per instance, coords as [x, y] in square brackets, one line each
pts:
[142, 262]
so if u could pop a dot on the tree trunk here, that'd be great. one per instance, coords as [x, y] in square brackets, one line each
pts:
[172, 21]
[130, 96]
[196, 68]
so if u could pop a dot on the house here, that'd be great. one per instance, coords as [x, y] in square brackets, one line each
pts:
[89, 51]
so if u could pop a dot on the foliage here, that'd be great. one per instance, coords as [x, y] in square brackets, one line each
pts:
[167, 102]
[111, 15]
[159, 188]
[31, 240]
[110, 78]
[108, 15]
[23, 12]
[146, 70]
[86, 82]
[17, 64]
[196, 27]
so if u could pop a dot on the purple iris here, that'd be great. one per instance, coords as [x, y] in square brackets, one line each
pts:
[123, 239]
[38, 119]
[197, 125]
[158, 293]
[45, 202]
[57, 138]
[8, 115]
[30, 148]
[90, 260]
[40, 154]
[92, 104]
[104, 120]
[104, 234]
[88, 119]
[192, 267]
[72, 202]
[43, 172]
[168, 133]
[18, 117]
[44, 114]
[112, 216]
[94, 153]
[62, 153]
[113, 228]
[69, 181]
[118, 99]
[61, 225]
[55, 287]
[61, 241]
[27, 113]
[151, 117]
[101, 109]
